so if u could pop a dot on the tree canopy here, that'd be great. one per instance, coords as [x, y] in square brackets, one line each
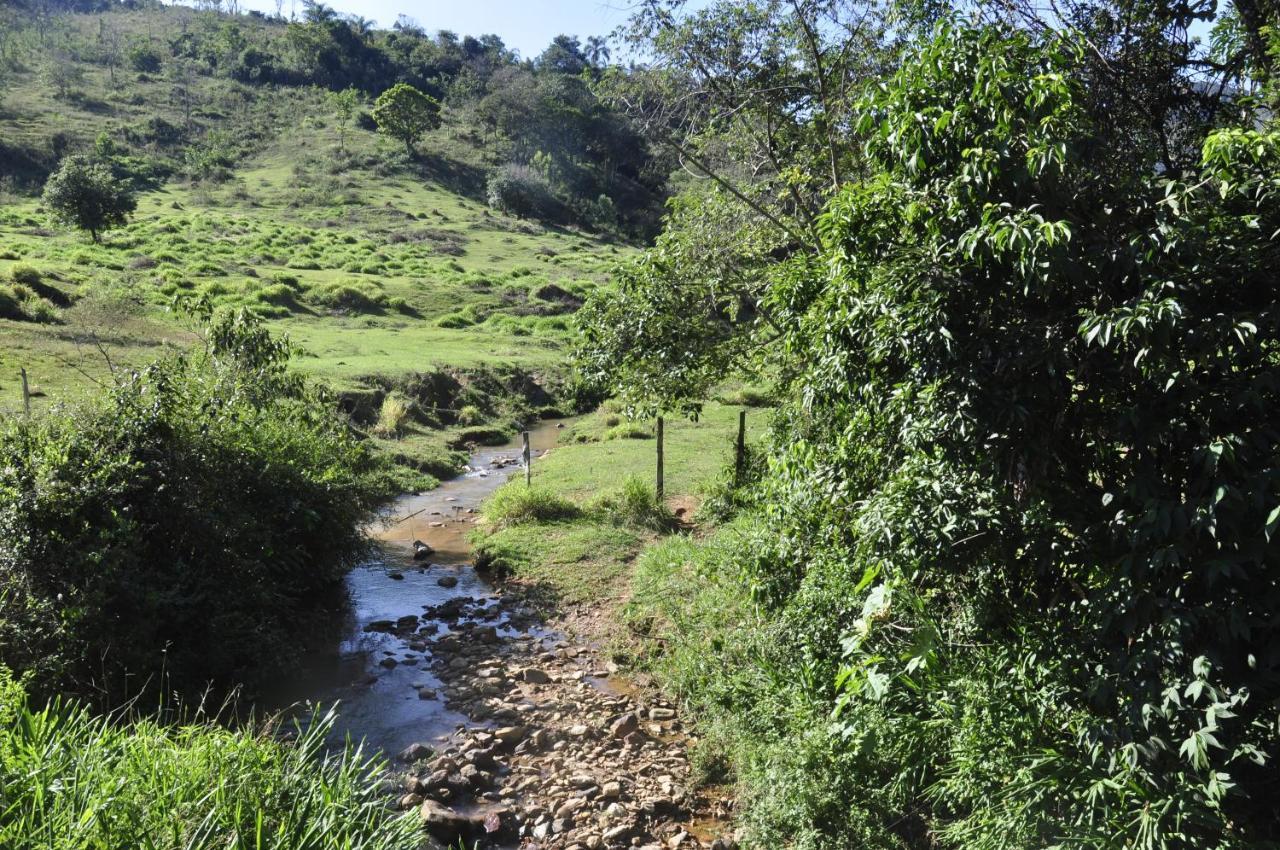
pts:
[404, 113]
[83, 194]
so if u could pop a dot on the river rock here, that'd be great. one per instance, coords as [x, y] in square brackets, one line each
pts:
[408, 801]
[380, 626]
[624, 726]
[421, 551]
[447, 581]
[415, 752]
[444, 823]
[661, 713]
[534, 676]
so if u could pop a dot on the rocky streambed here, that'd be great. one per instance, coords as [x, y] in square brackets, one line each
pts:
[504, 730]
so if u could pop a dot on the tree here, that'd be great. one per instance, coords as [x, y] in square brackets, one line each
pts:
[344, 105]
[82, 193]
[597, 50]
[64, 75]
[405, 113]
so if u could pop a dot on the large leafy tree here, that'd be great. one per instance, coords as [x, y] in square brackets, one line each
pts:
[404, 113]
[84, 194]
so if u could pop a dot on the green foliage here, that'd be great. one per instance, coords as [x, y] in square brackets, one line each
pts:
[1013, 550]
[523, 192]
[122, 556]
[82, 193]
[74, 780]
[515, 503]
[404, 113]
[145, 58]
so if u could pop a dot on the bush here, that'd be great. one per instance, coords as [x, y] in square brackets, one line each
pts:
[516, 503]
[63, 769]
[145, 58]
[523, 192]
[187, 522]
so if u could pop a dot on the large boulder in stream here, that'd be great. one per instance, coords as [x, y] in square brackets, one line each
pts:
[421, 551]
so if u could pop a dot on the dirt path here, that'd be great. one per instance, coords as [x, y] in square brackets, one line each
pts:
[558, 753]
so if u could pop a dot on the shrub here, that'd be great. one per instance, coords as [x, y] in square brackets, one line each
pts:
[145, 58]
[628, 431]
[516, 503]
[523, 192]
[259, 492]
[470, 415]
[277, 294]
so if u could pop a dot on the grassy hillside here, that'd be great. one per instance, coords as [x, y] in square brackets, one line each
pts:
[374, 263]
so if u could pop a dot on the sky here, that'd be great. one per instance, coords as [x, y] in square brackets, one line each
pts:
[524, 25]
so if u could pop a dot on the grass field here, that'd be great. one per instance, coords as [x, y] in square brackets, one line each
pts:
[587, 556]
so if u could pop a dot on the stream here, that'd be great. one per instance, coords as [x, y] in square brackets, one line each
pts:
[500, 733]
[382, 683]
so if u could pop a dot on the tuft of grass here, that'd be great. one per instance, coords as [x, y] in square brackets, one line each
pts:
[628, 431]
[392, 416]
[515, 503]
[636, 505]
[74, 780]
[747, 396]
[26, 275]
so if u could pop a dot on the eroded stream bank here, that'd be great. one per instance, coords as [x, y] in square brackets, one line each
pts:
[505, 731]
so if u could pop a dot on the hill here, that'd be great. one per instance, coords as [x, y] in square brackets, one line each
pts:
[253, 192]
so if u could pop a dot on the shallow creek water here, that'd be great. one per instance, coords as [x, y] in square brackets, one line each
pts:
[377, 702]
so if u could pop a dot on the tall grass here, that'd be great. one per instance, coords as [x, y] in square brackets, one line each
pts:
[72, 780]
[636, 505]
[515, 503]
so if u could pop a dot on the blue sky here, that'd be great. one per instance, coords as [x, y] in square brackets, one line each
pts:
[525, 25]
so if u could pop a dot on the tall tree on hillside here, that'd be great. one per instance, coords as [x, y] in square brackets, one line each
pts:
[405, 113]
[83, 194]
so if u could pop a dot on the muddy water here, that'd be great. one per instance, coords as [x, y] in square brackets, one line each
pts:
[379, 702]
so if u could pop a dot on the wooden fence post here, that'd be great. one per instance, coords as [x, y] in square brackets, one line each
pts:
[528, 461]
[26, 393]
[740, 458]
[660, 483]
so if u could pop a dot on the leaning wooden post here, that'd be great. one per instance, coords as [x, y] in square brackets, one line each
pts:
[528, 458]
[660, 488]
[26, 393]
[740, 459]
